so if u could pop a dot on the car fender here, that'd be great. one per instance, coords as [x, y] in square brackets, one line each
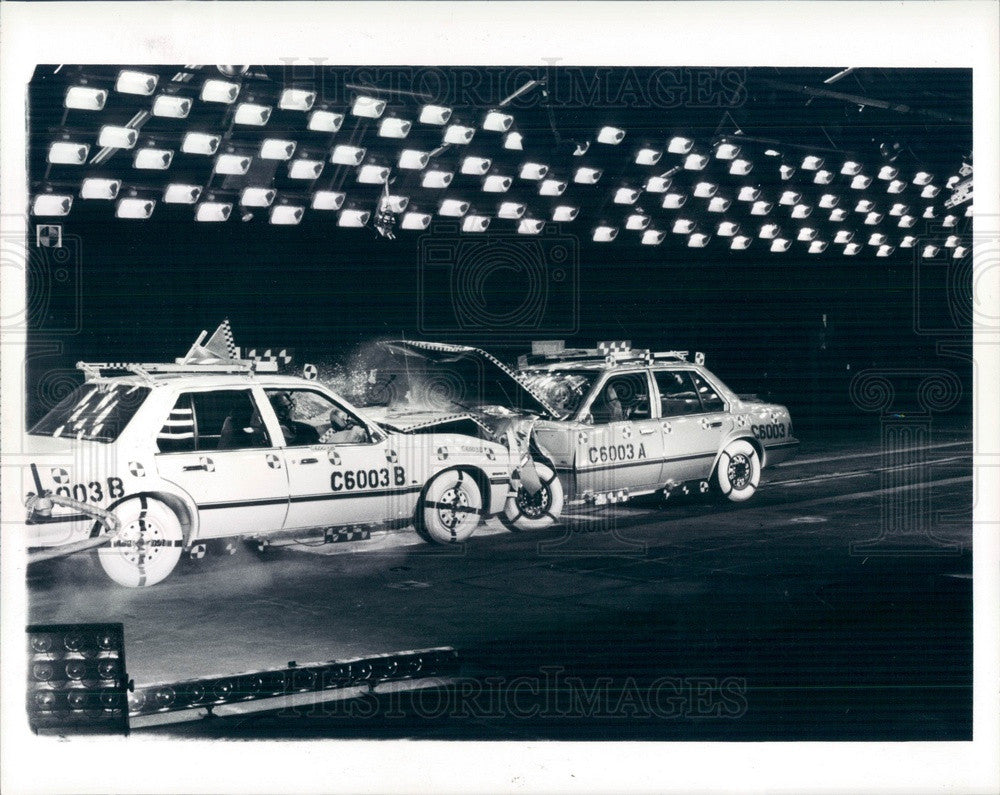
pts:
[174, 498]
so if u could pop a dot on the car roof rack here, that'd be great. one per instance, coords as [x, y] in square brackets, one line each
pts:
[101, 371]
[608, 353]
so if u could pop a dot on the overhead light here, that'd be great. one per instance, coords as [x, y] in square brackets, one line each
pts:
[851, 168]
[851, 249]
[475, 223]
[392, 127]
[605, 233]
[252, 114]
[413, 159]
[626, 196]
[740, 167]
[705, 190]
[790, 197]
[864, 206]
[786, 171]
[949, 221]
[740, 242]
[368, 107]
[325, 121]
[453, 207]
[552, 187]
[769, 231]
[587, 176]
[372, 174]
[888, 172]
[695, 162]
[496, 183]
[257, 197]
[497, 121]
[760, 208]
[513, 140]
[648, 157]
[277, 149]
[679, 145]
[156, 159]
[511, 210]
[637, 222]
[907, 241]
[529, 226]
[807, 233]
[328, 200]
[674, 201]
[718, 204]
[906, 221]
[801, 210]
[884, 251]
[135, 208]
[898, 209]
[843, 236]
[52, 204]
[812, 162]
[930, 251]
[117, 137]
[533, 171]
[436, 178]
[929, 191]
[172, 107]
[213, 212]
[922, 178]
[131, 82]
[100, 188]
[837, 215]
[287, 214]
[876, 239]
[780, 244]
[70, 154]
[653, 237]
[952, 182]
[610, 135]
[873, 219]
[896, 186]
[727, 228]
[928, 212]
[969, 210]
[346, 155]
[85, 98]
[748, 194]
[565, 213]
[823, 177]
[951, 241]
[305, 168]
[296, 99]
[219, 91]
[828, 201]
[232, 164]
[726, 151]
[698, 240]
[415, 220]
[458, 134]
[196, 143]
[657, 184]
[683, 226]
[860, 182]
[477, 166]
[434, 114]
[179, 193]
[772, 153]
[581, 149]
[353, 217]
[817, 247]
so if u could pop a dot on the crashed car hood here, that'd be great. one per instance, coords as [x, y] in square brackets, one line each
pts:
[495, 384]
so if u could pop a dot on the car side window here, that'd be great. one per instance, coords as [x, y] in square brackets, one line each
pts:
[622, 397]
[307, 417]
[677, 393]
[225, 419]
[710, 399]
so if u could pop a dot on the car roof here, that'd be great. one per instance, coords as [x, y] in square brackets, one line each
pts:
[208, 380]
[600, 367]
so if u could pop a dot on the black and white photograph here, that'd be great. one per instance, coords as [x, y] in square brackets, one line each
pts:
[585, 397]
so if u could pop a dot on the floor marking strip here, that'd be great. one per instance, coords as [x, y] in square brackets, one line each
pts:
[802, 461]
[855, 473]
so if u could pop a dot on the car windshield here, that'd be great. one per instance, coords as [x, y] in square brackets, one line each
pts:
[94, 412]
[564, 390]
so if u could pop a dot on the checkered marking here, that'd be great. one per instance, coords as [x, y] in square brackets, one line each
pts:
[310, 372]
[392, 457]
[137, 469]
[490, 454]
[703, 486]
[206, 462]
[582, 437]
[227, 336]
[282, 356]
[704, 423]
[337, 535]
[627, 431]
[442, 453]
[742, 420]
[668, 428]
[334, 457]
[613, 346]
[273, 461]
[198, 551]
[60, 476]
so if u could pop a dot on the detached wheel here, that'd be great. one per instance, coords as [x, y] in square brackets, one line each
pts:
[737, 474]
[524, 511]
[146, 548]
[451, 508]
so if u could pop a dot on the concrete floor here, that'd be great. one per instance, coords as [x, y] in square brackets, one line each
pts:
[758, 621]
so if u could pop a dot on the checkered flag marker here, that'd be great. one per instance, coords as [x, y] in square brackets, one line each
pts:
[137, 469]
[627, 431]
[490, 455]
[334, 457]
[273, 461]
[442, 453]
[197, 552]
[280, 356]
[310, 372]
[60, 476]
[48, 236]
[668, 428]
[392, 457]
[222, 343]
[208, 463]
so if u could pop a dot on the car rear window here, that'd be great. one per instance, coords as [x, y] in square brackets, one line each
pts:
[94, 412]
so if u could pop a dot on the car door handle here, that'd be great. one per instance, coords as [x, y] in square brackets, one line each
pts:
[715, 424]
[308, 460]
[647, 431]
[196, 468]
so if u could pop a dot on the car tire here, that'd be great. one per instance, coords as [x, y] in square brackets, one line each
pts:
[737, 473]
[147, 547]
[524, 511]
[451, 508]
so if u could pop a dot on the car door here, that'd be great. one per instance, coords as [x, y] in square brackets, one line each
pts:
[340, 472]
[623, 447]
[215, 446]
[693, 419]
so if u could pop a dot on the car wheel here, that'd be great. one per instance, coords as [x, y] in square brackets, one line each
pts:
[146, 548]
[524, 511]
[737, 474]
[451, 508]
